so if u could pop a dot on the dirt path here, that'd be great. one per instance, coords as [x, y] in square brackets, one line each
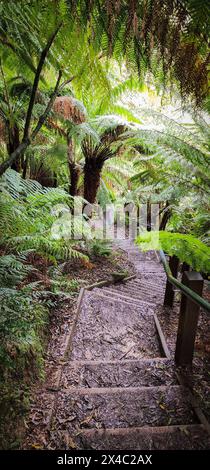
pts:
[114, 386]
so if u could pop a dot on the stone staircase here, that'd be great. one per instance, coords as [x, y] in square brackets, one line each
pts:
[118, 389]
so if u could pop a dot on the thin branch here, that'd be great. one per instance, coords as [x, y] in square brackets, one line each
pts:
[26, 142]
[48, 108]
[53, 125]
[66, 82]
[36, 82]
[6, 90]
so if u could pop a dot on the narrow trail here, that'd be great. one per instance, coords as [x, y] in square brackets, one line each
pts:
[117, 386]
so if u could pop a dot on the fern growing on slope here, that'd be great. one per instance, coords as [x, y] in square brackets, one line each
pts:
[27, 218]
[12, 270]
[27, 214]
[21, 331]
[186, 247]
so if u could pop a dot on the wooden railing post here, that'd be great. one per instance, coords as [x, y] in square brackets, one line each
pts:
[169, 292]
[188, 320]
[185, 267]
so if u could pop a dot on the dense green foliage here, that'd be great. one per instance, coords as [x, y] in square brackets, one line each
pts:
[22, 326]
[163, 36]
[108, 103]
[27, 214]
[172, 168]
[29, 218]
[186, 247]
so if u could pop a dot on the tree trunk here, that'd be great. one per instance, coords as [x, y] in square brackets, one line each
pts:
[166, 217]
[74, 175]
[149, 216]
[13, 144]
[19, 151]
[92, 174]
[25, 165]
[74, 169]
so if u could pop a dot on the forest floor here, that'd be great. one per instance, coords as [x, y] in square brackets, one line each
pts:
[34, 428]
[61, 320]
[39, 432]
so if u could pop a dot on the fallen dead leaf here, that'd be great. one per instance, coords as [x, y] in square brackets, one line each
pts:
[37, 446]
[88, 419]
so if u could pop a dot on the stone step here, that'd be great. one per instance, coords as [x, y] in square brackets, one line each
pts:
[140, 257]
[124, 373]
[149, 255]
[79, 408]
[135, 255]
[183, 437]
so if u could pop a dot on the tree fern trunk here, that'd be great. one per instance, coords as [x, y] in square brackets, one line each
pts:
[13, 144]
[92, 174]
[74, 171]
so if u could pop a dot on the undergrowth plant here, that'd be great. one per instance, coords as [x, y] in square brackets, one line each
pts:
[21, 333]
[99, 247]
[27, 215]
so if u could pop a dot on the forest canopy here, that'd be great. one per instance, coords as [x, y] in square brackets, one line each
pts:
[102, 103]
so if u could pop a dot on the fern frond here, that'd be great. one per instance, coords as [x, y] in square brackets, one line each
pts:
[12, 270]
[186, 247]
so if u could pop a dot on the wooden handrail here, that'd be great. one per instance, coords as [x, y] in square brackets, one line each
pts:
[186, 290]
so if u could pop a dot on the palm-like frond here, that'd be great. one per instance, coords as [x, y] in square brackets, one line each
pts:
[177, 171]
[155, 35]
[27, 217]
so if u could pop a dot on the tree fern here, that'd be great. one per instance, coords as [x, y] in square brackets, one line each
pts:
[27, 217]
[186, 247]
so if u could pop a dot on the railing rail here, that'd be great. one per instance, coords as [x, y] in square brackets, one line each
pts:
[186, 290]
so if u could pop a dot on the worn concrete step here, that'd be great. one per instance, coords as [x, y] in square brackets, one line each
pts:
[119, 295]
[153, 282]
[123, 246]
[79, 408]
[140, 257]
[110, 329]
[124, 373]
[135, 252]
[183, 437]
